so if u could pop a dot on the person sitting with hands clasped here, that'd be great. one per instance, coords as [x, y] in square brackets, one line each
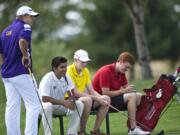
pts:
[80, 76]
[111, 80]
[52, 89]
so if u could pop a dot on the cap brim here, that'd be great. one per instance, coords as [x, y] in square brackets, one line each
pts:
[85, 60]
[33, 13]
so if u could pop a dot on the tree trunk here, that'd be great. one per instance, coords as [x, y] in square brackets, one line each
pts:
[135, 8]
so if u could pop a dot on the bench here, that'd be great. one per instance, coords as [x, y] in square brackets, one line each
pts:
[61, 124]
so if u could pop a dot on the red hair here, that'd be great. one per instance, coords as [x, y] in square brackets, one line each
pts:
[126, 57]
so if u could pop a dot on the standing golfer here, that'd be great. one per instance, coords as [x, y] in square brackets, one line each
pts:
[111, 80]
[15, 58]
[53, 87]
[79, 73]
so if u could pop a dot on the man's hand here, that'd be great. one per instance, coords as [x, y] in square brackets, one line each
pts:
[68, 104]
[101, 101]
[129, 88]
[26, 62]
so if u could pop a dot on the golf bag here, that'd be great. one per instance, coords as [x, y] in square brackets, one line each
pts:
[155, 100]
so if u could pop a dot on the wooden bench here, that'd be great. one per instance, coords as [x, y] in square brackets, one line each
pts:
[61, 123]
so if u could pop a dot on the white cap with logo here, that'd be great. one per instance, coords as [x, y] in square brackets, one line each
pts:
[26, 10]
[81, 55]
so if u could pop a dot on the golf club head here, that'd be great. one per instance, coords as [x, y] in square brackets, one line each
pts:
[177, 72]
[161, 132]
[177, 82]
[171, 78]
[178, 69]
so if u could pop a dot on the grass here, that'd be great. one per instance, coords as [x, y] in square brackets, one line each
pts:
[170, 121]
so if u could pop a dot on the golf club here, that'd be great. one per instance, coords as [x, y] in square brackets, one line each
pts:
[128, 116]
[30, 73]
[160, 133]
[74, 101]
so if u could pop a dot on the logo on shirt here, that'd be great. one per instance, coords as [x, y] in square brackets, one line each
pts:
[54, 87]
[8, 33]
[27, 27]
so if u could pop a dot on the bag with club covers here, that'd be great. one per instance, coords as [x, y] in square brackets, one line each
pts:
[155, 100]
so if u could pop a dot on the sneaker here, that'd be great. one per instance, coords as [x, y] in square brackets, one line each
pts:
[97, 133]
[138, 131]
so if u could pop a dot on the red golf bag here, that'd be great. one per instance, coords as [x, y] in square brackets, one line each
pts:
[154, 101]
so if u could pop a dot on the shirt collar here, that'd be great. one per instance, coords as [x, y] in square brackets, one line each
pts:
[114, 69]
[55, 78]
[19, 20]
[75, 71]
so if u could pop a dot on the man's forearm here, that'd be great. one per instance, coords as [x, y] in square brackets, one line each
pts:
[52, 100]
[23, 44]
[112, 93]
[94, 97]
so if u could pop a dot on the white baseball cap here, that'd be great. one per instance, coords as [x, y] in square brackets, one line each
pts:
[81, 55]
[26, 10]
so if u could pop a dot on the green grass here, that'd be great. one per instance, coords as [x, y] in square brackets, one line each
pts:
[170, 121]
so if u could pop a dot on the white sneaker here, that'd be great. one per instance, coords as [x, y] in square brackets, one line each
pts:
[138, 131]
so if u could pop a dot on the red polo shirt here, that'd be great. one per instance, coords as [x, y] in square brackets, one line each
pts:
[107, 77]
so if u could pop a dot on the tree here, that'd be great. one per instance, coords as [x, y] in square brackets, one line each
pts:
[107, 29]
[108, 32]
[162, 25]
[136, 11]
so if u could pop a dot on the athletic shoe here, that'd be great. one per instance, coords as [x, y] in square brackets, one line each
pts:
[138, 131]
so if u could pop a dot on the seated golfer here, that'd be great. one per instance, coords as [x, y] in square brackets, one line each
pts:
[84, 91]
[111, 80]
[53, 87]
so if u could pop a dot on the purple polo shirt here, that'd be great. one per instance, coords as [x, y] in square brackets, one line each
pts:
[9, 47]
